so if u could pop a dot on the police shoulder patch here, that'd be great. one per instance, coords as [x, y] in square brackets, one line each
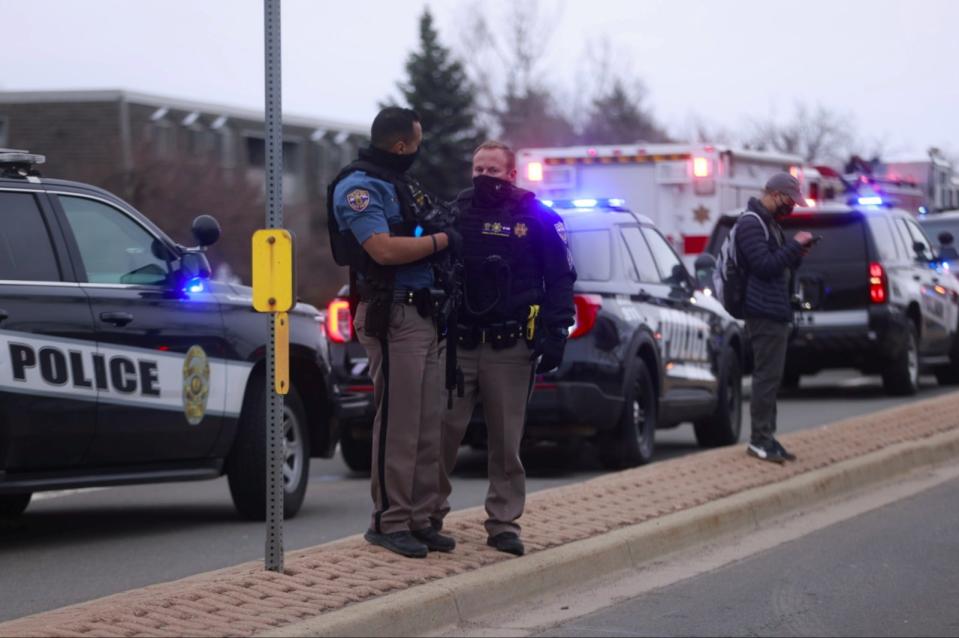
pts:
[561, 231]
[358, 199]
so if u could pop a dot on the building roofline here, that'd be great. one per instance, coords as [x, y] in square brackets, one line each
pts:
[159, 101]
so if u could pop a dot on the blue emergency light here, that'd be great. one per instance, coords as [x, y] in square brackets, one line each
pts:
[587, 203]
[195, 285]
[872, 200]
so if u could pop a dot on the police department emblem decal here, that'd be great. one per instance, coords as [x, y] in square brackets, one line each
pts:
[196, 384]
[520, 229]
[358, 199]
[561, 231]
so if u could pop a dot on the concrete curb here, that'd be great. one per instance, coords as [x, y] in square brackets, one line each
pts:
[458, 599]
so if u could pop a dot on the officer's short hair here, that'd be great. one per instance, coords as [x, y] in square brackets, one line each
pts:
[391, 125]
[496, 145]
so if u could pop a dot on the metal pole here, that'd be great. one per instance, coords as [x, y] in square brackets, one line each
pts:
[274, 219]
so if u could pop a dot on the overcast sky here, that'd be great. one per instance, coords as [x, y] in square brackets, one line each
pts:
[891, 65]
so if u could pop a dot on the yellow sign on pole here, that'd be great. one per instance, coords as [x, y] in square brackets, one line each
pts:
[273, 280]
[281, 345]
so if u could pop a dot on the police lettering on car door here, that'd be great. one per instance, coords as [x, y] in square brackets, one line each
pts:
[150, 379]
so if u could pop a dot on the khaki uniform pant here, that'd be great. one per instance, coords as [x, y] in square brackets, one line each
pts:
[406, 431]
[502, 380]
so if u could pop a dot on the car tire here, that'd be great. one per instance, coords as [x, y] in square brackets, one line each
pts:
[634, 440]
[246, 464]
[357, 453]
[901, 376]
[723, 427]
[13, 505]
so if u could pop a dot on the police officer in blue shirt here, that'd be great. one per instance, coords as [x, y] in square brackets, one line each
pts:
[375, 230]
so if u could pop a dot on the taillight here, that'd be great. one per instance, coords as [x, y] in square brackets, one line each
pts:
[878, 284]
[339, 328]
[587, 307]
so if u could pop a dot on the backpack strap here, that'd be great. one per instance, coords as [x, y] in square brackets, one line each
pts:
[761, 222]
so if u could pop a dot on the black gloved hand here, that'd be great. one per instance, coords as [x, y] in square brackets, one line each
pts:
[455, 241]
[551, 347]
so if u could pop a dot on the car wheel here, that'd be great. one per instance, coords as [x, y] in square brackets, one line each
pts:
[901, 376]
[724, 425]
[357, 452]
[634, 441]
[13, 505]
[246, 464]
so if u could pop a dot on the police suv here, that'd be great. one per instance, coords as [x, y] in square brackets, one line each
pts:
[648, 350]
[121, 362]
[870, 295]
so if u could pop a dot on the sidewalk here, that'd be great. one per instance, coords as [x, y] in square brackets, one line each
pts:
[245, 600]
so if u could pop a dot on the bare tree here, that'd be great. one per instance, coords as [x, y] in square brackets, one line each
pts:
[504, 63]
[817, 134]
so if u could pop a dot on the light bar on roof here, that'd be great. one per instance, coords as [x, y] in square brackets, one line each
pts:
[870, 201]
[585, 203]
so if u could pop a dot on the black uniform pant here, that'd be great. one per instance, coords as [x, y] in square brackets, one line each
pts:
[768, 340]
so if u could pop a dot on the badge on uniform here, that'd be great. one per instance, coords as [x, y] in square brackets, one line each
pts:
[358, 199]
[561, 231]
[520, 230]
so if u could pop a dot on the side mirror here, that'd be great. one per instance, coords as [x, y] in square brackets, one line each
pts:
[194, 265]
[920, 250]
[206, 230]
[705, 265]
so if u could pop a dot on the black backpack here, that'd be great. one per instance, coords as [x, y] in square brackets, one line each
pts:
[729, 278]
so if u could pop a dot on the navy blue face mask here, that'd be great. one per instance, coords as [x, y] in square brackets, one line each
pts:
[489, 192]
[392, 161]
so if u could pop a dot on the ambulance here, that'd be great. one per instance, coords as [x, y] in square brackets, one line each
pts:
[682, 188]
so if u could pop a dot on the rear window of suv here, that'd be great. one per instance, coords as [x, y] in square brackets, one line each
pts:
[843, 237]
[591, 254]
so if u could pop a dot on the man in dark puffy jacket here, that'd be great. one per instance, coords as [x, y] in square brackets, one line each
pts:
[769, 260]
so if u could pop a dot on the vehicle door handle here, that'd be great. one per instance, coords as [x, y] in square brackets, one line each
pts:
[118, 319]
[917, 277]
[4, 315]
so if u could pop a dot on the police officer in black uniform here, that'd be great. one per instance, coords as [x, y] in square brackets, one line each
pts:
[517, 290]
[377, 229]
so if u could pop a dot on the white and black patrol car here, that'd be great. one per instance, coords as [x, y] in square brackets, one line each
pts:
[121, 362]
[648, 350]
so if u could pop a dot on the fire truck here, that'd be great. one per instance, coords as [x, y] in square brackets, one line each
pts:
[683, 188]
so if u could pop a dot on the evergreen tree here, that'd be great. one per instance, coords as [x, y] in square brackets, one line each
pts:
[438, 89]
[616, 117]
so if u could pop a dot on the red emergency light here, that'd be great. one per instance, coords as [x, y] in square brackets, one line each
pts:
[534, 171]
[701, 167]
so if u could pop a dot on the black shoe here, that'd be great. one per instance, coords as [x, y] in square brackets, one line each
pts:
[766, 452]
[507, 542]
[783, 452]
[401, 543]
[434, 541]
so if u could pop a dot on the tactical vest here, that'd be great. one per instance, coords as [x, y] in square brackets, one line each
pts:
[346, 250]
[502, 259]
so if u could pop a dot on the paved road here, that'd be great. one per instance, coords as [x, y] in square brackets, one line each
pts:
[890, 572]
[73, 547]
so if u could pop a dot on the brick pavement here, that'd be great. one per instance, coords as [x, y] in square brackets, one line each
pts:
[245, 600]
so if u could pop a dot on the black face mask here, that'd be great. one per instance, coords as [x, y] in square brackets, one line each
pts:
[490, 192]
[392, 161]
